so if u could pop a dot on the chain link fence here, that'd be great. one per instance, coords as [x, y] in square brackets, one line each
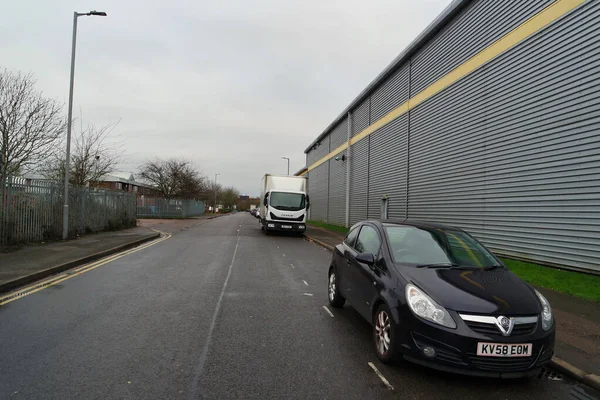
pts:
[31, 210]
[156, 207]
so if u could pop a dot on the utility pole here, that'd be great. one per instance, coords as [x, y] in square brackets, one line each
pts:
[65, 232]
[215, 205]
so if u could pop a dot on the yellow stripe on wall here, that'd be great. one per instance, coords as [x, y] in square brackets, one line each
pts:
[527, 29]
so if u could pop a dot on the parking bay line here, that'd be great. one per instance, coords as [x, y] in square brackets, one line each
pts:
[385, 381]
[328, 312]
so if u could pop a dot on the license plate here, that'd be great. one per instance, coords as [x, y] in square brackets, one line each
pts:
[286, 226]
[504, 350]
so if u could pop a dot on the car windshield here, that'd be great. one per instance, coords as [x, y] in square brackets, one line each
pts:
[437, 246]
[287, 201]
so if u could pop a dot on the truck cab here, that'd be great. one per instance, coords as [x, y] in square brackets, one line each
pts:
[284, 204]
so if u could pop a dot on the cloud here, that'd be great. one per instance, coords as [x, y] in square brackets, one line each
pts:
[232, 86]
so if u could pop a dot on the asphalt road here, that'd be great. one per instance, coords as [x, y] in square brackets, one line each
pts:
[217, 311]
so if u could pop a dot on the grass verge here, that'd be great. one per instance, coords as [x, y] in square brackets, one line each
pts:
[335, 228]
[574, 283]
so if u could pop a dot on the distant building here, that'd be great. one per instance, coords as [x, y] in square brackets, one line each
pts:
[126, 181]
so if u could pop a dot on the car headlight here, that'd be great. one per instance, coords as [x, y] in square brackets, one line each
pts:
[424, 307]
[547, 319]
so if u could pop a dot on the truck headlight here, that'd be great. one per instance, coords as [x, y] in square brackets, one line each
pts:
[423, 306]
[547, 318]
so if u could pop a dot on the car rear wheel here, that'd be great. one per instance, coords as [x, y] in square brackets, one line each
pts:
[335, 298]
[383, 335]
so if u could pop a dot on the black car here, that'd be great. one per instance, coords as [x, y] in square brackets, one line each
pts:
[437, 297]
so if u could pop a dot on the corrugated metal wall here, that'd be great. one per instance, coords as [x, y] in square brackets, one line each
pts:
[321, 149]
[457, 42]
[337, 191]
[339, 134]
[387, 169]
[318, 190]
[359, 180]
[390, 95]
[360, 116]
[510, 152]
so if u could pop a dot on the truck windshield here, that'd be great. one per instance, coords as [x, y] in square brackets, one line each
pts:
[287, 201]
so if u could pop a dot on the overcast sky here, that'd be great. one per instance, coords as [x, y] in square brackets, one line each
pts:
[233, 86]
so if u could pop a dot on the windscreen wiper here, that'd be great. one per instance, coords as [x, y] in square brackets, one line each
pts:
[493, 267]
[438, 265]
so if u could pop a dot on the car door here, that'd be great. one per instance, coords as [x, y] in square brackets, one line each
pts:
[343, 264]
[364, 277]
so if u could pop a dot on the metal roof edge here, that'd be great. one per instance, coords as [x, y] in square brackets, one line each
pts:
[430, 31]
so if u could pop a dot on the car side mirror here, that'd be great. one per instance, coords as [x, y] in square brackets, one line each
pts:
[266, 200]
[307, 202]
[366, 258]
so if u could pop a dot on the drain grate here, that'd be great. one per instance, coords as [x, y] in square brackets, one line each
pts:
[549, 374]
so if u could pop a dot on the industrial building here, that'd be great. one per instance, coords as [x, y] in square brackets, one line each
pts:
[489, 121]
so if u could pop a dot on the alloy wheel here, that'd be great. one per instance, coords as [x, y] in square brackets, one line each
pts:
[332, 286]
[382, 332]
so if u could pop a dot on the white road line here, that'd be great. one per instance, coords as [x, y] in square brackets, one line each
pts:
[307, 294]
[328, 312]
[202, 360]
[385, 381]
[284, 255]
[293, 266]
[306, 283]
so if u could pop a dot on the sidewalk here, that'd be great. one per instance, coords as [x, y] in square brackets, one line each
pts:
[578, 321]
[38, 261]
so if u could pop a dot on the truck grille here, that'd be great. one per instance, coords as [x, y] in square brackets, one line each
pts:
[274, 217]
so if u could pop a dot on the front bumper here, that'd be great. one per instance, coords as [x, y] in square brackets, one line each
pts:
[456, 349]
[285, 226]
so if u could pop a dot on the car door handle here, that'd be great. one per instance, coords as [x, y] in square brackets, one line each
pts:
[348, 262]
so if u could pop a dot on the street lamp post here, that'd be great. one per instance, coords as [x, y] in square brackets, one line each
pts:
[65, 232]
[215, 205]
[288, 161]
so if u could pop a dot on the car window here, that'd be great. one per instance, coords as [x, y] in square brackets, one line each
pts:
[351, 236]
[466, 251]
[368, 241]
[414, 245]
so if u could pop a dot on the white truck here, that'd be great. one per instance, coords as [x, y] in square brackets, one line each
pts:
[284, 203]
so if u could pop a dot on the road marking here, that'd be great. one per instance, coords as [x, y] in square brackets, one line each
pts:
[202, 360]
[328, 312]
[307, 294]
[284, 255]
[71, 273]
[385, 381]
[293, 266]
[306, 283]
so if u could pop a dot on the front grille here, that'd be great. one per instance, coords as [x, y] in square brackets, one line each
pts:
[483, 328]
[524, 329]
[503, 363]
[491, 329]
[274, 217]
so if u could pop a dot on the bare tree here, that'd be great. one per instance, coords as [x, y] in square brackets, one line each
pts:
[93, 156]
[30, 124]
[175, 178]
[229, 197]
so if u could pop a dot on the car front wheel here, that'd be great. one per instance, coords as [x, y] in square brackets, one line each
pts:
[383, 335]
[335, 298]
